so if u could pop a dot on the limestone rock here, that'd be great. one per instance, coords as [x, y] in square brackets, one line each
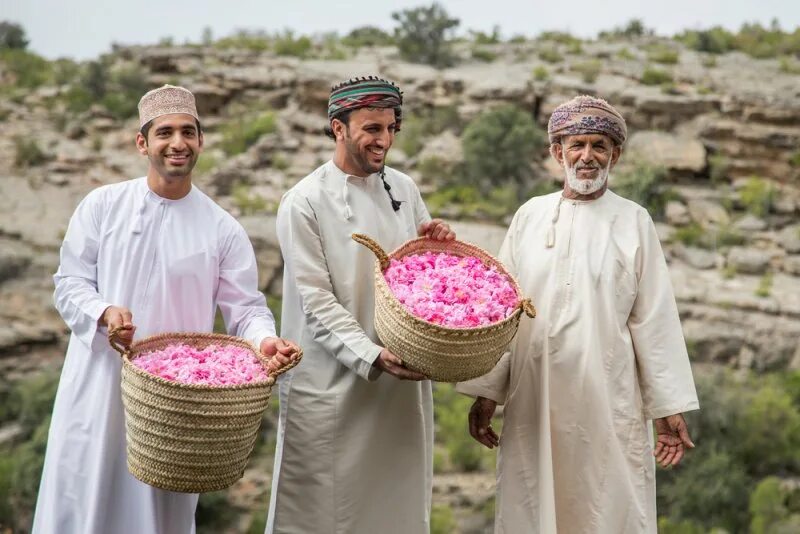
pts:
[748, 260]
[672, 151]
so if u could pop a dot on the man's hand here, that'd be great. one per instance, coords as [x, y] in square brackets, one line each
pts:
[118, 317]
[436, 229]
[393, 365]
[480, 422]
[673, 436]
[280, 352]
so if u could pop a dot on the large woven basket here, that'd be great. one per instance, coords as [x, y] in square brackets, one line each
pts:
[185, 437]
[441, 353]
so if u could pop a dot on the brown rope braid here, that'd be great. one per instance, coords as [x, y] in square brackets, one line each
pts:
[439, 352]
[190, 438]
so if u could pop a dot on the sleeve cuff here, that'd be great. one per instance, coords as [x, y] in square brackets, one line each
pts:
[475, 390]
[672, 409]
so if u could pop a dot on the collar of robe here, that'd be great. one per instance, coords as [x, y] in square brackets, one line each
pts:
[551, 232]
[147, 196]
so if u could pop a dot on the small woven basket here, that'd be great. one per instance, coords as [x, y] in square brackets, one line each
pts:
[440, 353]
[187, 437]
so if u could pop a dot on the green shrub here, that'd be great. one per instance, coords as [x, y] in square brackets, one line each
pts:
[205, 164]
[794, 159]
[663, 54]
[482, 38]
[12, 36]
[551, 55]
[249, 203]
[767, 506]
[689, 235]
[214, 512]
[757, 196]
[410, 139]
[367, 36]
[499, 146]
[625, 54]
[450, 416]
[27, 69]
[634, 28]
[422, 35]
[789, 65]
[256, 42]
[286, 44]
[718, 167]
[687, 526]
[709, 61]
[642, 183]
[28, 153]
[652, 76]
[563, 38]
[764, 288]
[442, 520]
[241, 135]
[481, 54]
[752, 39]
[541, 73]
[589, 70]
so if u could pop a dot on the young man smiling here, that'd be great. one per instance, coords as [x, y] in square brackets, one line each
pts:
[152, 255]
[355, 435]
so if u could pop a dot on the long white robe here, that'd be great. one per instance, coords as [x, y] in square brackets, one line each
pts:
[171, 262]
[354, 453]
[604, 355]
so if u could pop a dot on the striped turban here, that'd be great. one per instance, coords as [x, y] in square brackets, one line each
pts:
[587, 115]
[363, 92]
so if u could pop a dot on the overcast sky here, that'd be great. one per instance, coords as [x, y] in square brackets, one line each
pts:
[83, 29]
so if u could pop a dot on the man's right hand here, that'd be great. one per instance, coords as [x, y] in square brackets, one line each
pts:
[480, 422]
[115, 317]
[393, 365]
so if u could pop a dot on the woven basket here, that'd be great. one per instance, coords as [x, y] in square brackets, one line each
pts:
[186, 437]
[440, 353]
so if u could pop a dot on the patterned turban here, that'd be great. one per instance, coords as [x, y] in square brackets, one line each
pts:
[586, 115]
[367, 91]
[164, 101]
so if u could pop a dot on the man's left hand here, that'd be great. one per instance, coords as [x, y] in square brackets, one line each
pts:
[673, 437]
[436, 229]
[281, 352]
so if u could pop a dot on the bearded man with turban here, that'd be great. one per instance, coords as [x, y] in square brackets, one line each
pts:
[604, 357]
[355, 431]
[148, 255]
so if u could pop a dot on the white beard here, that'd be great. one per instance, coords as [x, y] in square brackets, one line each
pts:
[584, 186]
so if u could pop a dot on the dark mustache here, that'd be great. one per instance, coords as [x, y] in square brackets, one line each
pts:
[585, 166]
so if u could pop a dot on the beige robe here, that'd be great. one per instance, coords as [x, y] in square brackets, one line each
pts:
[355, 446]
[604, 355]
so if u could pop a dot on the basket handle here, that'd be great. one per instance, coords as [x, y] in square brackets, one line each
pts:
[285, 368]
[116, 343]
[374, 247]
[526, 306]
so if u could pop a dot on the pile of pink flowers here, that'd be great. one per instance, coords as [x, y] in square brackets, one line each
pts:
[452, 291]
[212, 366]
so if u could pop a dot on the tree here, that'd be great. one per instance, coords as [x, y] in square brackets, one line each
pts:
[422, 35]
[12, 36]
[498, 148]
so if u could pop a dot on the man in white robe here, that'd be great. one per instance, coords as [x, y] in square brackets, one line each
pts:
[152, 255]
[603, 358]
[355, 433]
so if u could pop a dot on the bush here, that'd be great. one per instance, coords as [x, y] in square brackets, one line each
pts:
[642, 183]
[481, 54]
[541, 74]
[442, 520]
[241, 135]
[652, 76]
[663, 54]
[764, 288]
[718, 167]
[422, 35]
[12, 35]
[249, 203]
[757, 196]
[367, 36]
[28, 153]
[28, 70]
[634, 28]
[450, 411]
[285, 44]
[589, 70]
[253, 41]
[498, 147]
[794, 159]
[752, 39]
[551, 55]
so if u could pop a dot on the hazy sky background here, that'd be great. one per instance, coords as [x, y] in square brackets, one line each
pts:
[83, 29]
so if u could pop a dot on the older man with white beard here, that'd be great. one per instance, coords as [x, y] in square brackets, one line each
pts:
[605, 357]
